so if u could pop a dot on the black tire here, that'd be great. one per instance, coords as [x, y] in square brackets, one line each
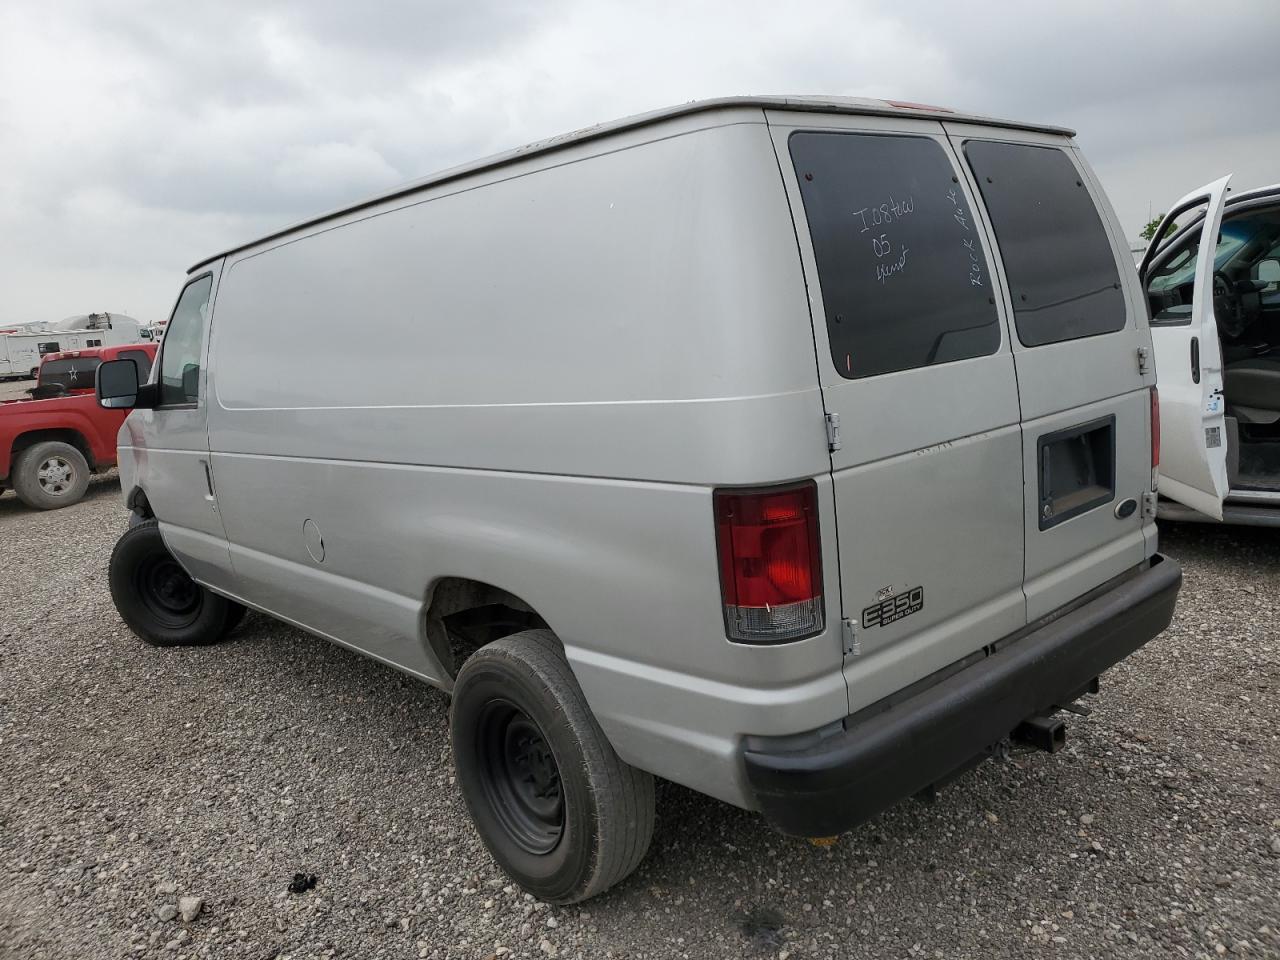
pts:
[557, 808]
[155, 597]
[50, 475]
[238, 610]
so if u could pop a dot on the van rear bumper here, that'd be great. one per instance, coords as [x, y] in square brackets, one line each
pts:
[832, 780]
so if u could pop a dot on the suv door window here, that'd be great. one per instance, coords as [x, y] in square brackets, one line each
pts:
[904, 277]
[180, 352]
[1061, 267]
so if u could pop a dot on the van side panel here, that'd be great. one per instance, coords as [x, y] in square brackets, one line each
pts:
[534, 378]
[637, 314]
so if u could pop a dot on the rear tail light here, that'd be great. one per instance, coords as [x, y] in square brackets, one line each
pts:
[770, 563]
[1155, 437]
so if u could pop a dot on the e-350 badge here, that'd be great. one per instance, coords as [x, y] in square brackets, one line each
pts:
[893, 608]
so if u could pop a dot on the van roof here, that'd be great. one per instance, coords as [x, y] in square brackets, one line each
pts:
[807, 104]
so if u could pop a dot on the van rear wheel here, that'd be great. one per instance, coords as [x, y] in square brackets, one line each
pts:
[156, 598]
[557, 808]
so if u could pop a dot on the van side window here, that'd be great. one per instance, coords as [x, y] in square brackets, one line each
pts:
[141, 360]
[1061, 267]
[180, 352]
[905, 280]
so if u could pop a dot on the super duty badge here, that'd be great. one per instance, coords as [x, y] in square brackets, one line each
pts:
[893, 608]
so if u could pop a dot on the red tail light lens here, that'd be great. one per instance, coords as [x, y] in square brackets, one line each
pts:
[770, 563]
[1155, 429]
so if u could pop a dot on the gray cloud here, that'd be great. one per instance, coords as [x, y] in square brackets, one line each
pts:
[136, 138]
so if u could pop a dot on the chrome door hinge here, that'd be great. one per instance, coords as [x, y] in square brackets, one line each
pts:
[849, 641]
[833, 432]
[1149, 499]
[1144, 360]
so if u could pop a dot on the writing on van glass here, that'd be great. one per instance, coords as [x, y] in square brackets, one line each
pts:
[890, 260]
[961, 216]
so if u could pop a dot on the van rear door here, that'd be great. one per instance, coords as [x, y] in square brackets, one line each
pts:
[1081, 349]
[1184, 333]
[914, 359]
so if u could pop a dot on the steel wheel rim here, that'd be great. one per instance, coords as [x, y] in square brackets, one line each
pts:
[170, 596]
[520, 777]
[56, 475]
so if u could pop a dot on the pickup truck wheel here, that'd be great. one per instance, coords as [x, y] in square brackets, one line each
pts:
[50, 475]
[155, 597]
[557, 808]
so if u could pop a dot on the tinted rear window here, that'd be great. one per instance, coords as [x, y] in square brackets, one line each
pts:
[80, 373]
[904, 277]
[1061, 269]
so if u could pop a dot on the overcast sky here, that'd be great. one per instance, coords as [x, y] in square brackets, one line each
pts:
[136, 138]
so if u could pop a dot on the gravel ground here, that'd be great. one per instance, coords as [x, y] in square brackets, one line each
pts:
[134, 779]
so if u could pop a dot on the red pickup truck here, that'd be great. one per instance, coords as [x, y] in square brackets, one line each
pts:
[51, 443]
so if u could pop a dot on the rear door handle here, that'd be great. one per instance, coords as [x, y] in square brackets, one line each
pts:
[1195, 359]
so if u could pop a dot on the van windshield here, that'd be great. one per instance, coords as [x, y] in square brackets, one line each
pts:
[77, 373]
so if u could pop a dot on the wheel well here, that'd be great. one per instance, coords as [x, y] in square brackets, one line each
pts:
[464, 615]
[31, 438]
[139, 504]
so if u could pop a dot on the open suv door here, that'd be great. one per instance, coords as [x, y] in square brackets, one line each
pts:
[1184, 335]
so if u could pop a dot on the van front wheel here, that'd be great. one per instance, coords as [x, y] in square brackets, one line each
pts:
[156, 598]
[557, 808]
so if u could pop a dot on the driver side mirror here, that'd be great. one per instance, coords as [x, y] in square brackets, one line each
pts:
[118, 387]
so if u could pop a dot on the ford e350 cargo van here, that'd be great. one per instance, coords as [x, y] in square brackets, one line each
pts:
[800, 451]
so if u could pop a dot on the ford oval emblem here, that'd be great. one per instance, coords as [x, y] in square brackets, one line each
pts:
[1125, 508]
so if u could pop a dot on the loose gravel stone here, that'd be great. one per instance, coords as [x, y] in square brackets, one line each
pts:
[131, 773]
[189, 908]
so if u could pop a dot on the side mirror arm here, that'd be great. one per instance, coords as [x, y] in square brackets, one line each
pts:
[148, 397]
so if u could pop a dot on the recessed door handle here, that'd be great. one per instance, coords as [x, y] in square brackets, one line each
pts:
[1195, 359]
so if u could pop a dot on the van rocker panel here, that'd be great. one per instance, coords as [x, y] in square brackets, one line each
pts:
[869, 764]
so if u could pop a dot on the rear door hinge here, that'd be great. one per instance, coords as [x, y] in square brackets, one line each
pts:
[849, 641]
[833, 432]
[1149, 498]
[1144, 360]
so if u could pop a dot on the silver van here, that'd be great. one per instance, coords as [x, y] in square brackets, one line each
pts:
[799, 451]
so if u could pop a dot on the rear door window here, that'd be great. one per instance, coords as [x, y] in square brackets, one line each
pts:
[1061, 268]
[77, 373]
[904, 277]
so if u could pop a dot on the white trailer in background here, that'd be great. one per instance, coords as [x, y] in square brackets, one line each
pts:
[22, 346]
